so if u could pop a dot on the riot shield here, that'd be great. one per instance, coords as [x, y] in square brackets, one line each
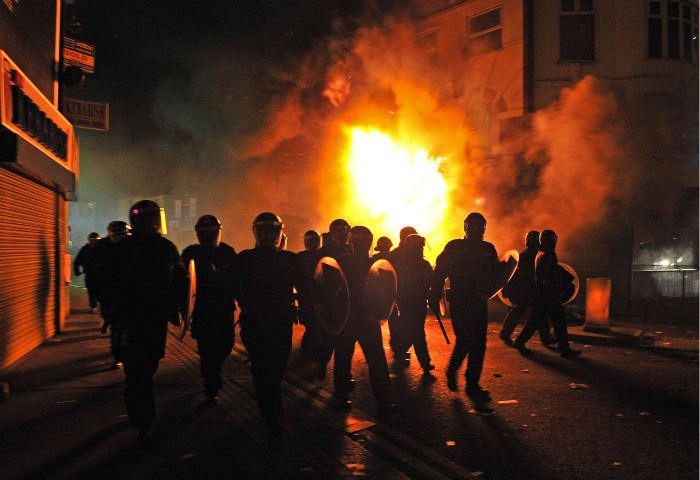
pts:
[332, 299]
[180, 330]
[570, 283]
[498, 275]
[379, 291]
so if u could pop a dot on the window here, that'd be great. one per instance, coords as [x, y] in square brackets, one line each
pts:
[672, 30]
[577, 31]
[485, 32]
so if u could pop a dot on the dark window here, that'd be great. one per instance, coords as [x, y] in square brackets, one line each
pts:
[577, 31]
[672, 30]
[656, 41]
[577, 37]
[485, 32]
[485, 21]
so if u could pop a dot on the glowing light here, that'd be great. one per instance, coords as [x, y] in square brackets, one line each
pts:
[396, 183]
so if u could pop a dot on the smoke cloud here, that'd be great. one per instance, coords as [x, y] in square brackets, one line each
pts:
[245, 134]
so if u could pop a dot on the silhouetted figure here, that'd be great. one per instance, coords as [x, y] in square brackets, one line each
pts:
[101, 265]
[548, 300]
[520, 290]
[394, 329]
[465, 262]
[360, 328]
[265, 278]
[83, 265]
[214, 307]
[383, 248]
[413, 274]
[148, 282]
[311, 339]
[335, 245]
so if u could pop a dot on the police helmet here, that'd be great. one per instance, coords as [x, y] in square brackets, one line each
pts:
[208, 229]
[475, 226]
[267, 228]
[548, 240]
[312, 240]
[361, 239]
[118, 229]
[144, 217]
[383, 244]
[405, 232]
[532, 239]
[414, 243]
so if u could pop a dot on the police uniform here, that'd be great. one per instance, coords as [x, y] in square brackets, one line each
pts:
[464, 262]
[264, 282]
[213, 315]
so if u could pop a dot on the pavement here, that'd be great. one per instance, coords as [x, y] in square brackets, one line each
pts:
[62, 415]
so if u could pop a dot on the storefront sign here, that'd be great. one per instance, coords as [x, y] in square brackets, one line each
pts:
[27, 113]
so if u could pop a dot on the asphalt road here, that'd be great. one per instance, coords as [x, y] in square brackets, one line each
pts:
[626, 413]
[618, 413]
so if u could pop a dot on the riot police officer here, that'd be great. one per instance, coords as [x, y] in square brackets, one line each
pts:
[213, 315]
[548, 300]
[465, 262]
[307, 316]
[148, 283]
[335, 244]
[520, 290]
[413, 274]
[117, 230]
[360, 328]
[264, 281]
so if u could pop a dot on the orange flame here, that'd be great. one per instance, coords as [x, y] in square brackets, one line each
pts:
[395, 183]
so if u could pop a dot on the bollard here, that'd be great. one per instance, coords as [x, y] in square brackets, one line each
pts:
[597, 305]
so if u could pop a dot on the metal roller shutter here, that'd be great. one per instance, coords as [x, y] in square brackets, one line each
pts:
[28, 229]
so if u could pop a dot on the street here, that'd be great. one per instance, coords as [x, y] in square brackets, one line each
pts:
[615, 412]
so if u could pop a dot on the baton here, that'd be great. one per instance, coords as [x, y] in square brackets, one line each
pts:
[442, 327]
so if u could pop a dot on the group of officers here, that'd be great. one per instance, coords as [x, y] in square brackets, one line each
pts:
[141, 283]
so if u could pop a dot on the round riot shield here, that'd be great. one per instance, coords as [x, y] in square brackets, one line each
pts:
[332, 299]
[570, 282]
[499, 274]
[180, 330]
[379, 291]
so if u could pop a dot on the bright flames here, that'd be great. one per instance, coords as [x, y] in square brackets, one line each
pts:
[396, 183]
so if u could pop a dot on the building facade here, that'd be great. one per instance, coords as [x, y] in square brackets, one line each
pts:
[38, 171]
[517, 58]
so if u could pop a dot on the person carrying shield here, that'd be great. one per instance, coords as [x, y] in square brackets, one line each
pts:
[213, 315]
[264, 279]
[334, 245]
[148, 282]
[548, 299]
[310, 340]
[395, 328]
[413, 274]
[465, 262]
[520, 290]
[360, 328]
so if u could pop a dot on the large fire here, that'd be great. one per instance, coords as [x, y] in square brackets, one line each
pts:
[395, 183]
